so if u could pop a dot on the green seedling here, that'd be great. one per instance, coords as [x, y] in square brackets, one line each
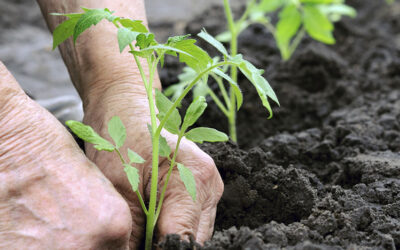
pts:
[296, 18]
[142, 44]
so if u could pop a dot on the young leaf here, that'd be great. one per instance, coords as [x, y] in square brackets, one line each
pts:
[66, 29]
[134, 25]
[194, 111]
[134, 157]
[188, 180]
[318, 25]
[234, 85]
[163, 105]
[198, 59]
[117, 131]
[201, 135]
[166, 48]
[214, 42]
[133, 176]
[317, 1]
[164, 150]
[89, 18]
[125, 37]
[267, 6]
[87, 134]
[145, 40]
[335, 11]
[176, 39]
[287, 26]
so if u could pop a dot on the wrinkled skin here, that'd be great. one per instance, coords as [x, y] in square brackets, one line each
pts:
[51, 195]
[179, 214]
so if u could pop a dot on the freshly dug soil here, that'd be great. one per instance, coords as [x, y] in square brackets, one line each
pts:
[323, 173]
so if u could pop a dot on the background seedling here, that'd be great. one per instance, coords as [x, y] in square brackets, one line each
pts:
[161, 108]
[296, 19]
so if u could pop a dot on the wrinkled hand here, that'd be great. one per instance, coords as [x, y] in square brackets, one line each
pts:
[179, 213]
[51, 195]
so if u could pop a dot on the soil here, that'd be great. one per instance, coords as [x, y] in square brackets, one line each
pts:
[323, 173]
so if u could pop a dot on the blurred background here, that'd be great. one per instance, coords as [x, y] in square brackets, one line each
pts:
[25, 48]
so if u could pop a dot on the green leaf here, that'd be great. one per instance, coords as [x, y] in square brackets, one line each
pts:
[134, 157]
[194, 111]
[198, 59]
[287, 26]
[224, 37]
[166, 48]
[145, 40]
[163, 105]
[87, 134]
[214, 42]
[318, 1]
[234, 85]
[164, 150]
[134, 25]
[176, 39]
[66, 29]
[133, 176]
[185, 78]
[267, 6]
[318, 25]
[117, 131]
[125, 37]
[188, 180]
[336, 11]
[89, 18]
[202, 134]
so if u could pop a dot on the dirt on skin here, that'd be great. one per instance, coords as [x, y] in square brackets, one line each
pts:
[324, 172]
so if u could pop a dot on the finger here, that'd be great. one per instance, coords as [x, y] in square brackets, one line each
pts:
[179, 214]
[206, 224]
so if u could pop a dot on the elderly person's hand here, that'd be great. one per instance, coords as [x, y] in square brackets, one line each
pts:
[109, 84]
[51, 195]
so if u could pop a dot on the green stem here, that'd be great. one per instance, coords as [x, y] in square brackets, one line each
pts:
[234, 72]
[171, 167]
[223, 89]
[154, 174]
[296, 42]
[218, 102]
[137, 191]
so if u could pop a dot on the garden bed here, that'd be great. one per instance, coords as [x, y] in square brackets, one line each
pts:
[324, 172]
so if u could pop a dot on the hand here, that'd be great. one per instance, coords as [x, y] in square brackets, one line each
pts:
[179, 213]
[51, 195]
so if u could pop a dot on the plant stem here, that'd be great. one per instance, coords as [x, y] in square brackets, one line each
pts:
[223, 90]
[296, 41]
[154, 170]
[234, 40]
[218, 102]
[171, 167]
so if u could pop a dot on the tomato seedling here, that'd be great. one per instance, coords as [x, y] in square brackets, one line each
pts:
[161, 108]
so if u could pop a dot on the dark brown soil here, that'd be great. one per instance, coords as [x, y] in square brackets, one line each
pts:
[324, 172]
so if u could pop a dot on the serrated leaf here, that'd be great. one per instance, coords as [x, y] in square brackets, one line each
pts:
[164, 150]
[318, 25]
[234, 85]
[214, 42]
[287, 26]
[267, 6]
[133, 176]
[198, 59]
[87, 134]
[202, 134]
[134, 157]
[188, 180]
[194, 111]
[134, 25]
[117, 131]
[163, 105]
[166, 48]
[125, 37]
[224, 37]
[66, 29]
[176, 39]
[145, 40]
[89, 18]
